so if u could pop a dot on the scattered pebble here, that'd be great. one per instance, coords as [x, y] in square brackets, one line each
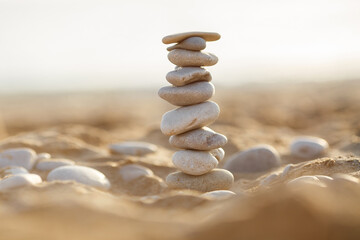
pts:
[42, 156]
[324, 179]
[19, 180]
[308, 147]
[187, 118]
[218, 153]
[257, 159]
[305, 180]
[190, 94]
[194, 162]
[22, 157]
[286, 169]
[81, 174]
[186, 58]
[269, 179]
[345, 178]
[133, 171]
[174, 38]
[12, 170]
[219, 194]
[216, 179]
[192, 43]
[199, 139]
[133, 148]
[185, 75]
[47, 165]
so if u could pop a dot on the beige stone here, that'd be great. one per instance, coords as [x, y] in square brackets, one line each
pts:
[216, 179]
[174, 38]
[219, 194]
[192, 43]
[132, 148]
[199, 139]
[184, 75]
[184, 119]
[190, 94]
[194, 162]
[218, 153]
[308, 147]
[133, 171]
[186, 58]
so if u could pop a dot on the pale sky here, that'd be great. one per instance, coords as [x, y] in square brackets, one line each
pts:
[108, 44]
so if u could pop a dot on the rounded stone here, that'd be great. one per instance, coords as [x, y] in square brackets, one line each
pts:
[42, 156]
[345, 178]
[199, 139]
[219, 194]
[184, 75]
[48, 165]
[22, 157]
[304, 181]
[194, 162]
[190, 94]
[324, 179]
[187, 118]
[308, 147]
[80, 174]
[192, 43]
[257, 159]
[218, 153]
[178, 37]
[133, 171]
[186, 58]
[133, 148]
[12, 170]
[19, 180]
[216, 179]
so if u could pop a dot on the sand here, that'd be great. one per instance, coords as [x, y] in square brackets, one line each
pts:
[80, 127]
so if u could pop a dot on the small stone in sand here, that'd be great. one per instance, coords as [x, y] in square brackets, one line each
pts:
[192, 43]
[133, 148]
[269, 179]
[345, 178]
[304, 181]
[186, 58]
[216, 179]
[178, 37]
[19, 180]
[308, 147]
[47, 165]
[81, 174]
[190, 94]
[133, 171]
[257, 159]
[184, 75]
[12, 170]
[194, 162]
[219, 194]
[199, 139]
[22, 157]
[42, 156]
[218, 153]
[187, 118]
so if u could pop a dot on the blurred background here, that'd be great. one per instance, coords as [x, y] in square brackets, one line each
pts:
[76, 45]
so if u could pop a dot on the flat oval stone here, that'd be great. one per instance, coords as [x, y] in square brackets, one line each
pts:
[133, 171]
[133, 148]
[216, 179]
[178, 37]
[199, 139]
[187, 118]
[190, 94]
[81, 174]
[12, 170]
[305, 180]
[344, 178]
[19, 180]
[308, 147]
[50, 164]
[218, 153]
[186, 58]
[219, 194]
[42, 156]
[194, 162]
[192, 43]
[185, 75]
[22, 157]
[257, 159]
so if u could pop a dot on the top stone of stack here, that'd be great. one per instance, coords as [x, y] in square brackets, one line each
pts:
[175, 38]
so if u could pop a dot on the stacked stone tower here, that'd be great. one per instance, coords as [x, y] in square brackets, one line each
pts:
[186, 125]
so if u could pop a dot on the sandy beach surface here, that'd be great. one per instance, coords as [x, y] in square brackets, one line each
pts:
[80, 126]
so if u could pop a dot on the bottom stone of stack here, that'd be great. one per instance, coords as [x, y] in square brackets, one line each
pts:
[216, 179]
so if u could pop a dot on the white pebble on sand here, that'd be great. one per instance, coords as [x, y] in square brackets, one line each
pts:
[269, 179]
[133, 171]
[85, 175]
[133, 148]
[219, 194]
[22, 157]
[13, 170]
[308, 147]
[19, 180]
[47, 165]
[345, 178]
[304, 181]
[43, 156]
